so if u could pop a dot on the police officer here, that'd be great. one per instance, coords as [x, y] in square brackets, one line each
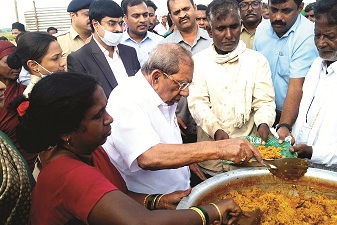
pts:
[80, 32]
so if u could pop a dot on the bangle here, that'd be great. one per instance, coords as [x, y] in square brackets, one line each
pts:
[204, 212]
[145, 200]
[158, 200]
[150, 200]
[153, 203]
[278, 126]
[219, 212]
[201, 214]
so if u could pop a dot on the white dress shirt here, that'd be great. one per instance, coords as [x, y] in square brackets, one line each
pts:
[141, 121]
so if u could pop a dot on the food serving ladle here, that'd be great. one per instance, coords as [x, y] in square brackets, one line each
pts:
[283, 168]
[287, 168]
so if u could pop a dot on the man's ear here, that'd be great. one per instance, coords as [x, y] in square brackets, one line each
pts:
[154, 76]
[300, 7]
[125, 18]
[209, 30]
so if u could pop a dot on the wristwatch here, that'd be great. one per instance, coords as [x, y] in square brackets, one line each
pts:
[283, 125]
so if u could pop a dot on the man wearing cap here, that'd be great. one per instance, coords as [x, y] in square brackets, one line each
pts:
[80, 32]
[17, 28]
[104, 57]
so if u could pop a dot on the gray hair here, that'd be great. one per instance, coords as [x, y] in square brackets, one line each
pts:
[220, 9]
[168, 57]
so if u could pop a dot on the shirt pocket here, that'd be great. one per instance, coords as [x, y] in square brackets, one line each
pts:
[283, 69]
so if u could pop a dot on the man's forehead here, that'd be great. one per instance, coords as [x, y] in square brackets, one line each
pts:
[177, 4]
[112, 18]
[283, 4]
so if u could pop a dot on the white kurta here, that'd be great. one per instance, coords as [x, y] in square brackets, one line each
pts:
[141, 121]
[316, 124]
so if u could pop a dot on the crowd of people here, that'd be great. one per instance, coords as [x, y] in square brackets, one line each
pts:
[113, 121]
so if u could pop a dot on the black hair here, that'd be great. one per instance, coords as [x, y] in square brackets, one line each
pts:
[19, 26]
[327, 8]
[201, 7]
[57, 105]
[169, 20]
[102, 8]
[150, 3]
[310, 7]
[126, 3]
[30, 46]
[51, 28]
[3, 38]
[168, 5]
[275, 2]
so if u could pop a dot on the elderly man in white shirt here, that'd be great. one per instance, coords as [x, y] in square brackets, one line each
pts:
[146, 142]
[315, 129]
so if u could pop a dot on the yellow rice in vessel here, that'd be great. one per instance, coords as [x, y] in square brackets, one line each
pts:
[282, 208]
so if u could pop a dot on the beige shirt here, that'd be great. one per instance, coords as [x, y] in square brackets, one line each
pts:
[247, 38]
[70, 41]
[222, 93]
[219, 91]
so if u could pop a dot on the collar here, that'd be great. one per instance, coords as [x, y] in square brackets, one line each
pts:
[73, 33]
[331, 68]
[104, 50]
[243, 28]
[126, 37]
[155, 98]
[201, 34]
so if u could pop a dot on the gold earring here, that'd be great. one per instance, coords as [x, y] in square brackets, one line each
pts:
[68, 141]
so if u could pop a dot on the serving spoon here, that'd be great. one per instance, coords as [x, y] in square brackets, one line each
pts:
[288, 168]
[283, 168]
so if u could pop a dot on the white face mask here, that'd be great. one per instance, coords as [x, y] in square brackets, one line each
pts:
[43, 75]
[110, 38]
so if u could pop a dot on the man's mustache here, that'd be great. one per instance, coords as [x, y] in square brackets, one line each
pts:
[185, 17]
[251, 13]
[278, 22]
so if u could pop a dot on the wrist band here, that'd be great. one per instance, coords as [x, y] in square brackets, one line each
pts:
[278, 126]
[219, 212]
[201, 214]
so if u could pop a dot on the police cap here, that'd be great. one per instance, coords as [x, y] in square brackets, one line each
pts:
[76, 5]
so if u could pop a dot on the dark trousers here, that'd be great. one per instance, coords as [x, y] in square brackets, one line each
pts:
[277, 118]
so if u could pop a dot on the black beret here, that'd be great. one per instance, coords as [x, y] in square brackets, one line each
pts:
[76, 5]
[18, 26]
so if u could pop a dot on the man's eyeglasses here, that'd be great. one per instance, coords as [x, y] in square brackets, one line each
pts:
[182, 84]
[245, 5]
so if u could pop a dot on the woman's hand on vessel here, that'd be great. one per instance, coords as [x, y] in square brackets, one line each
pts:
[170, 201]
